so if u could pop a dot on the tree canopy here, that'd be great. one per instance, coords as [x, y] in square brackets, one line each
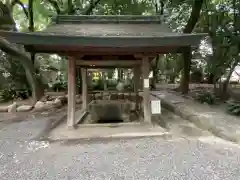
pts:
[218, 54]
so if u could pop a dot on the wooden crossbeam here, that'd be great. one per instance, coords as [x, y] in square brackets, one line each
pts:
[108, 63]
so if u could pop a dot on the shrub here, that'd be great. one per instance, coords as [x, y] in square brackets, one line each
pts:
[59, 85]
[112, 83]
[196, 76]
[206, 97]
[233, 107]
[11, 93]
[98, 85]
[7, 94]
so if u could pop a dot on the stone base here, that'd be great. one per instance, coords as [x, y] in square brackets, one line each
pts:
[111, 111]
[106, 131]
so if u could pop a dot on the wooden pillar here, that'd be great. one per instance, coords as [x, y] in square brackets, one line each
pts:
[105, 81]
[84, 88]
[136, 79]
[71, 92]
[146, 90]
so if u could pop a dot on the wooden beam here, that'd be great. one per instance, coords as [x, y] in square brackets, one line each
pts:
[108, 57]
[146, 90]
[103, 68]
[77, 51]
[71, 92]
[112, 63]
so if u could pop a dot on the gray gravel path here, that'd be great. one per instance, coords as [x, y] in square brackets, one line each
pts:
[22, 158]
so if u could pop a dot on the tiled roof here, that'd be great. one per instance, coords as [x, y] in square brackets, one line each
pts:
[143, 30]
[74, 33]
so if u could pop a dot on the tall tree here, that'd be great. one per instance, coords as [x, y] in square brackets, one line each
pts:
[7, 23]
[187, 52]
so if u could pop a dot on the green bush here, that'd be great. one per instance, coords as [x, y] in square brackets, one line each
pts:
[206, 97]
[7, 94]
[196, 76]
[23, 93]
[233, 107]
[98, 85]
[112, 83]
[59, 85]
[11, 93]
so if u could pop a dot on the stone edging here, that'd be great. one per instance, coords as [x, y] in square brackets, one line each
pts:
[202, 122]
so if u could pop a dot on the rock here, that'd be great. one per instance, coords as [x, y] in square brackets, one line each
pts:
[133, 117]
[49, 103]
[121, 96]
[113, 96]
[106, 96]
[120, 86]
[40, 106]
[49, 98]
[55, 94]
[78, 101]
[24, 108]
[78, 96]
[98, 96]
[132, 106]
[3, 108]
[63, 99]
[57, 103]
[90, 97]
[12, 108]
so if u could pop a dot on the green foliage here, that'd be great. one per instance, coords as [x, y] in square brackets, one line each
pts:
[60, 83]
[233, 107]
[98, 84]
[112, 83]
[7, 95]
[14, 73]
[217, 19]
[10, 93]
[206, 98]
[196, 76]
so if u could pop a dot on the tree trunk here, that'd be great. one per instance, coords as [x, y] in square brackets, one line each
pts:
[187, 54]
[224, 85]
[36, 86]
[184, 83]
[7, 23]
[31, 25]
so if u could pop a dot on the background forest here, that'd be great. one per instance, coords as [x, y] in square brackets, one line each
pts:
[215, 62]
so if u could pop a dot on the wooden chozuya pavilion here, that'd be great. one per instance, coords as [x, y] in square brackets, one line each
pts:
[105, 41]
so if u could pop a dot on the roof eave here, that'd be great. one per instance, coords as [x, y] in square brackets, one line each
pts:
[102, 41]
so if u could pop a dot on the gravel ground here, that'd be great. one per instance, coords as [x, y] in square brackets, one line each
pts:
[204, 158]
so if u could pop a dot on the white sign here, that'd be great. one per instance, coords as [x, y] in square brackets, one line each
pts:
[156, 106]
[146, 83]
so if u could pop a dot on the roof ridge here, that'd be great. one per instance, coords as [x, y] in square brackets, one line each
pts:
[130, 19]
